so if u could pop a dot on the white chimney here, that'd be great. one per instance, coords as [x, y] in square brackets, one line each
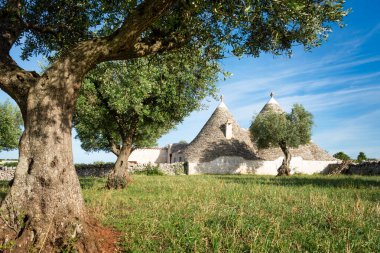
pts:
[228, 130]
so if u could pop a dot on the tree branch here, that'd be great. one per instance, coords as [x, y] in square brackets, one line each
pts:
[42, 29]
[114, 148]
[142, 48]
[16, 81]
[123, 44]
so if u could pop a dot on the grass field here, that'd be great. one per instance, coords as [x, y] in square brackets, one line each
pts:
[240, 213]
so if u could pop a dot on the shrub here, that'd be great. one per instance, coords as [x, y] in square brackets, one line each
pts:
[150, 170]
[342, 156]
[10, 164]
[179, 169]
[361, 157]
[115, 182]
[80, 166]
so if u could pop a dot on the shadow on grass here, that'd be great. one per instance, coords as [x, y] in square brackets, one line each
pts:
[319, 181]
[343, 182]
[89, 182]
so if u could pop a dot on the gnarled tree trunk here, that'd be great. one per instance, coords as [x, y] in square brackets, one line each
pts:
[119, 177]
[44, 209]
[284, 169]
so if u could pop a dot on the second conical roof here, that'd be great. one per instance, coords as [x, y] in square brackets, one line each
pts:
[272, 105]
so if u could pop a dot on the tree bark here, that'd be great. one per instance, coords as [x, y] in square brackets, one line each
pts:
[44, 209]
[119, 177]
[284, 169]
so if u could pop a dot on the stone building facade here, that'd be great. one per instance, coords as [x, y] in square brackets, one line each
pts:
[223, 147]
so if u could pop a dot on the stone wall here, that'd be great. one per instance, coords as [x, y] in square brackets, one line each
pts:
[93, 170]
[167, 168]
[365, 168]
[7, 173]
[225, 165]
[228, 165]
[102, 170]
[349, 168]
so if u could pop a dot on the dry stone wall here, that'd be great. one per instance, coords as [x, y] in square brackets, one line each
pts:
[218, 166]
[102, 170]
[349, 168]
[7, 173]
[366, 168]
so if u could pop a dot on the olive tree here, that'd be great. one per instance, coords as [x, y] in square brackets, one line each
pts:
[342, 156]
[10, 126]
[129, 104]
[284, 130]
[361, 157]
[44, 208]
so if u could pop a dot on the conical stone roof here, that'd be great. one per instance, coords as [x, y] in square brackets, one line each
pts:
[272, 105]
[211, 142]
[310, 152]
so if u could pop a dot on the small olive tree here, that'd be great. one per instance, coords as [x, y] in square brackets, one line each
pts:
[342, 156]
[10, 126]
[284, 130]
[123, 105]
[361, 157]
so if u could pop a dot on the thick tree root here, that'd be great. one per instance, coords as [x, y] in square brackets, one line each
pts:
[56, 237]
[283, 170]
[118, 181]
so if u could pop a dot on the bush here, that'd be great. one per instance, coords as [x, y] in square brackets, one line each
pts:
[102, 163]
[10, 164]
[79, 166]
[179, 169]
[361, 157]
[342, 156]
[117, 182]
[150, 170]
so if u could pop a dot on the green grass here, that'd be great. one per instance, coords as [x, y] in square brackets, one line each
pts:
[241, 213]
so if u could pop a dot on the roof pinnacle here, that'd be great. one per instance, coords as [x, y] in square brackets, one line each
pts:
[221, 104]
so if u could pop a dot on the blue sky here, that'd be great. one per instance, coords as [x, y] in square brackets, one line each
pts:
[338, 82]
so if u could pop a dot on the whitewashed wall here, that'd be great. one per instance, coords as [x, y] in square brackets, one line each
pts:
[238, 165]
[225, 165]
[148, 155]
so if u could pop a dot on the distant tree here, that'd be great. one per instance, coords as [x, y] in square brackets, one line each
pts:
[284, 130]
[342, 156]
[126, 105]
[182, 142]
[361, 157]
[10, 126]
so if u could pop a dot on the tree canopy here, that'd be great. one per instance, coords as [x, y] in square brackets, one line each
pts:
[271, 128]
[361, 157]
[284, 130]
[248, 27]
[342, 156]
[10, 126]
[141, 99]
